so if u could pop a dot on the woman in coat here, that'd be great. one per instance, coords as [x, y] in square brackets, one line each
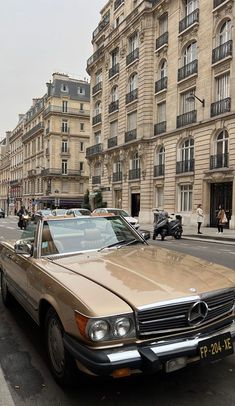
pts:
[221, 217]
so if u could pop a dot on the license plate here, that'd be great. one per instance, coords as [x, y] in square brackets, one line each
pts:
[216, 348]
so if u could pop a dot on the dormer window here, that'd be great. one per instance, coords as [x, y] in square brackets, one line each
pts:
[64, 88]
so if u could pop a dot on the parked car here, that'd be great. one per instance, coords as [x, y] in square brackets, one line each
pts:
[2, 213]
[41, 213]
[111, 305]
[78, 212]
[58, 212]
[119, 212]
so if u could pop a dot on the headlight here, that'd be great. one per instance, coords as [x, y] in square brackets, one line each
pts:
[122, 327]
[98, 330]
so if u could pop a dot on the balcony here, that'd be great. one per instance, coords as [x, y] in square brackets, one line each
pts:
[94, 150]
[114, 106]
[15, 182]
[219, 161]
[162, 40]
[222, 51]
[112, 142]
[96, 180]
[58, 172]
[96, 119]
[185, 166]
[134, 174]
[102, 25]
[186, 119]
[130, 135]
[218, 2]
[114, 70]
[220, 107]
[97, 88]
[132, 96]
[117, 176]
[32, 172]
[33, 131]
[132, 56]
[95, 56]
[158, 170]
[161, 84]
[65, 152]
[189, 20]
[187, 70]
[59, 109]
[118, 3]
[160, 128]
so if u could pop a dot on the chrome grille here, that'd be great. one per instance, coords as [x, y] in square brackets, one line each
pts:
[173, 317]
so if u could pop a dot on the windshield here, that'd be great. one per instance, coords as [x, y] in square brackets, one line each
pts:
[84, 234]
[118, 212]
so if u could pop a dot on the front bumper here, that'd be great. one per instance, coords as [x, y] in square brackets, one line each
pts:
[146, 357]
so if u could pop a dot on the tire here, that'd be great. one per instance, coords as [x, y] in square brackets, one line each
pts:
[154, 235]
[178, 235]
[62, 365]
[6, 295]
[162, 235]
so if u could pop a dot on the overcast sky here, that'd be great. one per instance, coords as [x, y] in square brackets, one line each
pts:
[37, 38]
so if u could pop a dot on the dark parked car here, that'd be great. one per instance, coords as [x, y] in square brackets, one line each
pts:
[2, 213]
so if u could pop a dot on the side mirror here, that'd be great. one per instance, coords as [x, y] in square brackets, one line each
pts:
[23, 247]
[145, 234]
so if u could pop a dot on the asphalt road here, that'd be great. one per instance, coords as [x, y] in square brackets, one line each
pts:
[24, 364]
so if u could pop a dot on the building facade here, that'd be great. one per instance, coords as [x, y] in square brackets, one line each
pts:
[5, 173]
[163, 107]
[16, 166]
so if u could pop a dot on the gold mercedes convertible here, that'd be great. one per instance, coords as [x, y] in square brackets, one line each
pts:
[111, 305]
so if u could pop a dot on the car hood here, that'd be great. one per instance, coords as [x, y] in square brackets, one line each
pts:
[145, 275]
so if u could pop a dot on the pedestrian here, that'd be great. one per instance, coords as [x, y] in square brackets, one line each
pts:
[221, 220]
[200, 216]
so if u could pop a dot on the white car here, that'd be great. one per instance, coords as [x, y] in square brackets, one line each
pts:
[78, 212]
[119, 212]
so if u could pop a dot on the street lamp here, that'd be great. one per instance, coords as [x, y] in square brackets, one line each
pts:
[192, 97]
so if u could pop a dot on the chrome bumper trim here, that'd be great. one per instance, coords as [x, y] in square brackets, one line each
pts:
[169, 348]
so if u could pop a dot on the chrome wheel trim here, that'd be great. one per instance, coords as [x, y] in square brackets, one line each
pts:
[56, 346]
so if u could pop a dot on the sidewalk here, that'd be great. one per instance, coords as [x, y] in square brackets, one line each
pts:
[208, 233]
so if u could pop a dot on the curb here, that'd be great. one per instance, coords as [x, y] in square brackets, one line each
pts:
[228, 241]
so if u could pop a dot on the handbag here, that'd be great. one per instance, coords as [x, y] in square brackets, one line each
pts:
[224, 219]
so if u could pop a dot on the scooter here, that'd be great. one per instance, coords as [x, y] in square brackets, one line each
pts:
[165, 228]
[23, 221]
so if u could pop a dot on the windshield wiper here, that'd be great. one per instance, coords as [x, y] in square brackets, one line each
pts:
[130, 242]
[112, 245]
[120, 244]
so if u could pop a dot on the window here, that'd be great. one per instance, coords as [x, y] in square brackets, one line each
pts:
[161, 112]
[163, 24]
[65, 126]
[81, 90]
[222, 87]
[225, 33]
[119, 20]
[187, 150]
[160, 197]
[133, 42]
[133, 82]
[64, 147]
[64, 167]
[64, 88]
[97, 137]
[81, 106]
[161, 156]
[98, 77]
[132, 121]
[114, 94]
[190, 53]
[97, 109]
[39, 143]
[64, 106]
[81, 166]
[135, 161]
[114, 58]
[81, 146]
[163, 69]
[221, 143]
[82, 127]
[186, 193]
[190, 6]
[187, 104]
[114, 129]
[117, 167]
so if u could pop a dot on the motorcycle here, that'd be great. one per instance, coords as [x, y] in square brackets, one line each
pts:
[23, 221]
[168, 226]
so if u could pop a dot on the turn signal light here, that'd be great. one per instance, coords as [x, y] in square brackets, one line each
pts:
[120, 373]
[81, 322]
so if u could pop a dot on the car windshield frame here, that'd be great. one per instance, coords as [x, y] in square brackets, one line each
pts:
[69, 236]
[118, 212]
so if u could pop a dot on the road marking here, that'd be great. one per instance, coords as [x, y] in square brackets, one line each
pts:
[6, 398]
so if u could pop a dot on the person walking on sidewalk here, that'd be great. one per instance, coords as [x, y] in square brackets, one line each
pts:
[222, 220]
[200, 216]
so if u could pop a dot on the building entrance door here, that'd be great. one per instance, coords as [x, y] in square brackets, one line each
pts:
[135, 204]
[221, 193]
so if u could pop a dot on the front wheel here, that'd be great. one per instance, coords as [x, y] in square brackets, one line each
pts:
[62, 364]
[154, 235]
[163, 234]
[178, 235]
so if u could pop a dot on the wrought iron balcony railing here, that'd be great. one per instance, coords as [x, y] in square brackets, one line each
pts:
[161, 84]
[133, 95]
[32, 172]
[114, 70]
[222, 51]
[94, 150]
[96, 180]
[218, 2]
[32, 131]
[132, 56]
[219, 161]
[185, 166]
[162, 40]
[95, 56]
[96, 119]
[114, 106]
[97, 88]
[134, 173]
[160, 128]
[112, 142]
[186, 119]
[158, 170]
[221, 106]
[104, 22]
[59, 109]
[130, 135]
[189, 20]
[59, 172]
[117, 3]
[117, 176]
[187, 70]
